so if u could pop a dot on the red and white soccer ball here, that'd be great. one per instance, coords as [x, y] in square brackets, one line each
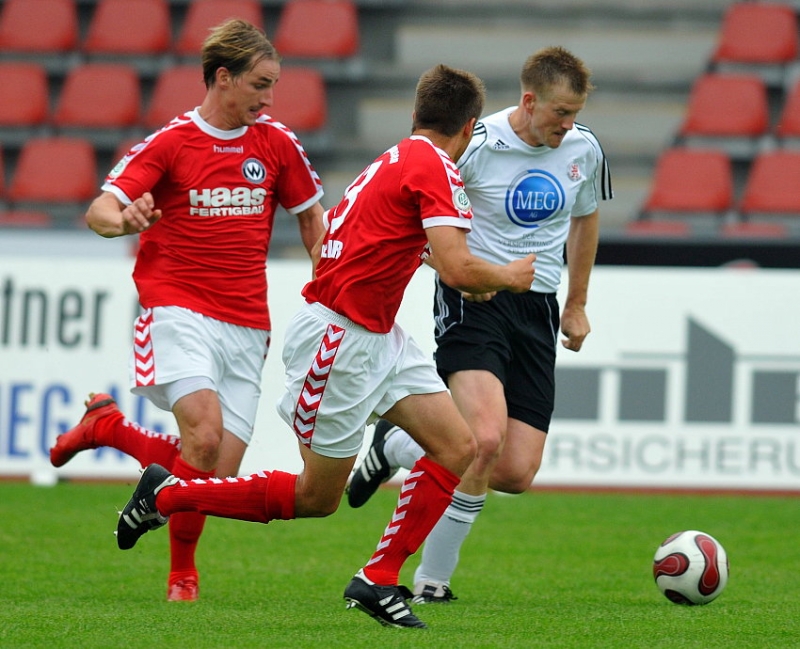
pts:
[691, 568]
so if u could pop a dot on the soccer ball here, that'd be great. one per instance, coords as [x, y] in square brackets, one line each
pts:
[691, 568]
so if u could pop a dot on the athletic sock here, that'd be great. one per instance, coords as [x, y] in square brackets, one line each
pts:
[185, 528]
[260, 497]
[424, 495]
[145, 446]
[440, 554]
[401, 450]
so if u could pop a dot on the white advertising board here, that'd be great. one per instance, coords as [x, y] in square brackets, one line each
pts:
[689, 378]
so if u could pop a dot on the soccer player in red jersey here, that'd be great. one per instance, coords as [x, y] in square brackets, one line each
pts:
[202, 193]
[348, 361]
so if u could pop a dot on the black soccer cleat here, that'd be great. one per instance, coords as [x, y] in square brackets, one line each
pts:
[140, 514]
[387, 604]
[375, 469]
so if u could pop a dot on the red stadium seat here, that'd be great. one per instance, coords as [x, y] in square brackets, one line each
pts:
[727, 111]
[757, 38]
[788, 126]
[202, 15]
[691, 181]
[25, 219]
[129, 27]
[757, 32]
[318, 29]
[24, 98]
[52, 170]
[39, 26]
[772, 185]
[177, 89]
[754, 230]
[99, 95]
[658, 228]
[300, 99]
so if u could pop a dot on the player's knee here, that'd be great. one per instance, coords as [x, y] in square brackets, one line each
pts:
[465, 455]
[511, 486]
[515, 481]
[316, 505]
[489, 445]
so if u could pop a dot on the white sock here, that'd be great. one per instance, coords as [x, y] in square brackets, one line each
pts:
[441, 550]
[400, 450]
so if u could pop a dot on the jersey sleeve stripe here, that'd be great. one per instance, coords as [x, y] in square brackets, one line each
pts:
[606, 190]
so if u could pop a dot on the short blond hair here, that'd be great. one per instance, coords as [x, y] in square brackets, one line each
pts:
[552, 66]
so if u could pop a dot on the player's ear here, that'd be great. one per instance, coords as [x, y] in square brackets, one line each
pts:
[470, 126]
[223, 77]
[529, 100]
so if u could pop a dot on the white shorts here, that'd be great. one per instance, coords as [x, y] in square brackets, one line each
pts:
[340, 377]
[177, 351]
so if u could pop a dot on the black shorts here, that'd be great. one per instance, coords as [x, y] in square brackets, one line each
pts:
[513, 336]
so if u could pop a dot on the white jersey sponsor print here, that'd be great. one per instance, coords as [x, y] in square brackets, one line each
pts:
[524, 196]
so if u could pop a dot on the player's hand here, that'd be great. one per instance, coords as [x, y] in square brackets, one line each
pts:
[575, 327]
[521, 274]
[478, 297]
[140, 215]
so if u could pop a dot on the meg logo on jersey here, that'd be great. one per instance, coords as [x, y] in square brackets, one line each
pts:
[533, 196]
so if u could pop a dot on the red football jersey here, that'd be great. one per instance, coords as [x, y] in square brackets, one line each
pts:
[218, 191]
[375, 237]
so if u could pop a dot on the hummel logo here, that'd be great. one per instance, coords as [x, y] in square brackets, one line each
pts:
[500, 146]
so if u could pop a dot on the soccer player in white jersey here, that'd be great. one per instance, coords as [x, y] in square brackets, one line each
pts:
[202, 193]
[348, 361]
[535, 178]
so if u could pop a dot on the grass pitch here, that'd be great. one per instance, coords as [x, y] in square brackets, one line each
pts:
[545, 569]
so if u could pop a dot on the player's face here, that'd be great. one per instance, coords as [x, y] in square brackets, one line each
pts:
[553, 115]
[252, 92]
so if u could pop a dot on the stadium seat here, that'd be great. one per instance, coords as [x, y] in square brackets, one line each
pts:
[39, 26]
[25, 219]
[754, 230]
[24, 99]
[202, 15]
[99, 95]
[177, 89]
[729, 111]
[53, 170]
[691, 182]
[300, 99]
[660, 228]
[318, 29]
[758, 37]
[129, 28]
[772, 185]
[788, 127]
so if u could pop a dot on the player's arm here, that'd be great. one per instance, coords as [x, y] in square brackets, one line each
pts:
[459, 268]
[109, 217]
[581, 252]
[311, 228]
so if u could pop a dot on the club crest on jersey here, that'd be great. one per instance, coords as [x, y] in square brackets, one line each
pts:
[574, 171]
[461, 200]
[533, 196]
[119, 167]
[254, 171]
